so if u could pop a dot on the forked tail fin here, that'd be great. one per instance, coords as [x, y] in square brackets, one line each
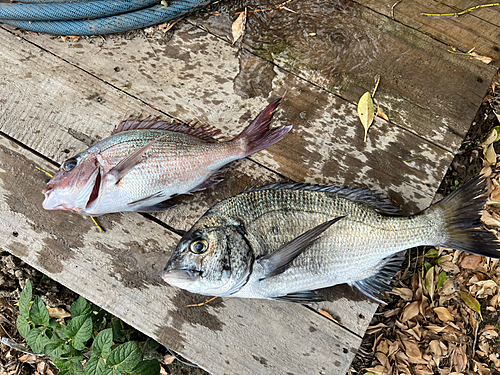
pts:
[257, 135]
[461, 216]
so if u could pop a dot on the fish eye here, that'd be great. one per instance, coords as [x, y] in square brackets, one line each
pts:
[69, 164]
[198, 246]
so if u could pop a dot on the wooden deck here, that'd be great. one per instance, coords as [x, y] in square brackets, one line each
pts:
[58, 98]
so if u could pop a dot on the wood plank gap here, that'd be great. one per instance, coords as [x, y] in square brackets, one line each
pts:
[321, 87]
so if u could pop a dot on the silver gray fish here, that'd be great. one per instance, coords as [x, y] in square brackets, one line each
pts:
[145, 162]
[285, 240]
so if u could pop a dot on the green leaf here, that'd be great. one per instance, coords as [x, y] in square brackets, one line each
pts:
[96, 366]
[37, 340]
[80, 307]
[471, 302]
[79, 329]
[441, 279]
[151, 367]
[366, 111]
[125, 356]
[102, 343]
[427, 266]
[431, 253]
[23, 325]
[25, 299]
[39, 313]
[56, 349]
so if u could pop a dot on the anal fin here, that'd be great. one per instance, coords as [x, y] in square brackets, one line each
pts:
[213, 179]
[380, 281]
[305, 298]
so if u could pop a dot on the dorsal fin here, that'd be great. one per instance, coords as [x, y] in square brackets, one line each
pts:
[203, 132]
[375, 199]
[380, 282]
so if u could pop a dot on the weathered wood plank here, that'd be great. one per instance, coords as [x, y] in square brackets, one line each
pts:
[41, 103]
[194, 75]
[479, 30]
[423, 87]
[120, 271]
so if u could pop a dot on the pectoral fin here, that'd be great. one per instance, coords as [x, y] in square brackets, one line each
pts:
[279, 260]
[121, 169]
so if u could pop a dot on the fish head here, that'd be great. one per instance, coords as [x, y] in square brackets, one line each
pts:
[75, 185]
[214, 260]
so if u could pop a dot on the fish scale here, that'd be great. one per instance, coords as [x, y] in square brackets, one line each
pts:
[286, 240]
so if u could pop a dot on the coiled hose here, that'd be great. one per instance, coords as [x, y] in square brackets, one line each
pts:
[108, 17]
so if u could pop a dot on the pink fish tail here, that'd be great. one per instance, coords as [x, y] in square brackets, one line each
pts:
[257, 135]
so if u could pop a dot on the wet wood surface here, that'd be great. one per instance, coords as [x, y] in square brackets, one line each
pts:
[59, 97]
[342, 46]
[478, 30]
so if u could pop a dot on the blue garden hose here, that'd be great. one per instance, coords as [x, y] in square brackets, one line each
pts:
[108, 25]
[70, 11]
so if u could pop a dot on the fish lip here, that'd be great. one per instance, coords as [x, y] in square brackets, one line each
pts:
[180, 275]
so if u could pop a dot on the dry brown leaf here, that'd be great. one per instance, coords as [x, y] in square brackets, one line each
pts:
[239, 26]
[481, 369]
[381, 114]
[490, 155]
[373, 329]
[57, 312]
[486, 288]
[491, 219]
[489, 334]
[383, 347]
[393, 348]
[410, 311]
[460, 359]
[423, 370]
[327, 315]
[412, 350]
[471, 262]
[168, 359]
[436, 351]
[405, 293]
[41, 367]
[29, 358]
[443, 314]
[484, 59]
[492, 137]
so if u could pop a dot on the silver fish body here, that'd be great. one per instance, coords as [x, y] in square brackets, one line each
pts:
[250, 246]
[144, 163]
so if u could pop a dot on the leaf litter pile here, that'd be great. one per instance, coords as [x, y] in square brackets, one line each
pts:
[442, 316]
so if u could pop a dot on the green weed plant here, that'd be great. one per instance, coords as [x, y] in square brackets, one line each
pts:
[65, 343]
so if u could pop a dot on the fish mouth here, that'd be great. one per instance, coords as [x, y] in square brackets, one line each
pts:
[177, 276]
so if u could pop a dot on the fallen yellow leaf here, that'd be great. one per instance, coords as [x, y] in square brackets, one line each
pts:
[366, 111]
[57, 312]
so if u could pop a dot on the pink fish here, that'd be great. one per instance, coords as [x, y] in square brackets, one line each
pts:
[145, 162]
